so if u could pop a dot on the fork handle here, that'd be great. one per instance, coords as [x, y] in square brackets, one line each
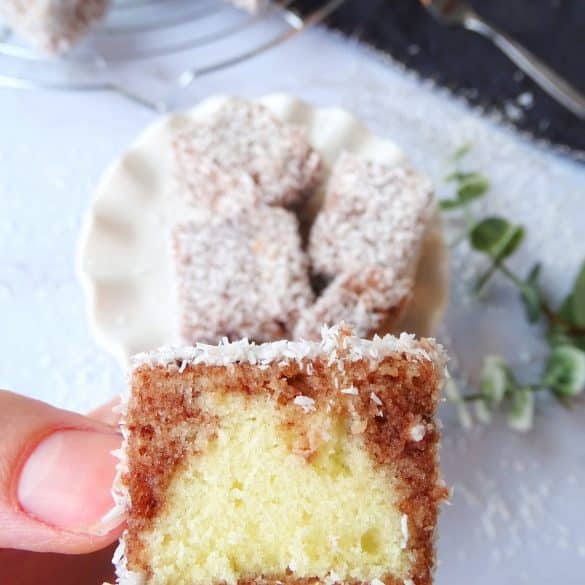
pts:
[557, 87]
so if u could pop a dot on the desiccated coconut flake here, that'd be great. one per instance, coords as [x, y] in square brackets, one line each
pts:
[332, 578]
[404, 529]
[417, 432]
[375, 399]
[272, 353]
[305, 402]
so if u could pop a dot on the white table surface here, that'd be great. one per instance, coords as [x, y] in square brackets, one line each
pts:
[518, 512]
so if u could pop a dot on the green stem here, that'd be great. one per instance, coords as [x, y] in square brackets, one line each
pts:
[554, 319]
[510, 275]
[473, 397]
[479, 396]
[483, 280]
[536, 387]
[551, 316]
[470, 223]
[468, 218]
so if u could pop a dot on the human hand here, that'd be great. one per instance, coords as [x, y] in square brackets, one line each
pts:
[56, 472]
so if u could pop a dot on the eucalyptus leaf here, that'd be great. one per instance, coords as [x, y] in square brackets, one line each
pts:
[561, 337]
[452, 393]
[487, 233]
[534, 274]
[460, 176]
[558, 336]
[483, 411]
[565, 311]
[530, 296]
[495, 379]
[515, 238]
[521, 409]
[578, 301]
[578, 341]
[565, 370]
[448, 204]
[472, 187]
[496, 237]
[456, 176]
[461, 151]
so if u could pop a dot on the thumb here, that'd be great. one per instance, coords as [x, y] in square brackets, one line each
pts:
[56, 472]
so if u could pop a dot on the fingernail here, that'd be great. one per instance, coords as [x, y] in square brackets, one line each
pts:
[67, 479]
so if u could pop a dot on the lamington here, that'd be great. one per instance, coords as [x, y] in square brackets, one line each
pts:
[52, 25]
[374, 218]
[242, 155]
[286, 463]
[240, 275]
[371, 299]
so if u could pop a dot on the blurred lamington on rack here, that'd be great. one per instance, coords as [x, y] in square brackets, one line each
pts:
[52, 25]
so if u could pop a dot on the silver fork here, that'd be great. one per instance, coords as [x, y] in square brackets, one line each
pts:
[459, 13]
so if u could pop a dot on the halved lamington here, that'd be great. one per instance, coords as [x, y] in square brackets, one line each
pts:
[242, 154]
[285, 463]
[374, 218]
[240, 275]
[369, 299]
[52, 25]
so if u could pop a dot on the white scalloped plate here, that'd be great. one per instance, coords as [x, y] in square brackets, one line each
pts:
[124, 263]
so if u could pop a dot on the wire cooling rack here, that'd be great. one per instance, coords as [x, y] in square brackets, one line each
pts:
[203, 33]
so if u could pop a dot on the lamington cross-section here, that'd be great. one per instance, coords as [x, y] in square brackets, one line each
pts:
[292, 463]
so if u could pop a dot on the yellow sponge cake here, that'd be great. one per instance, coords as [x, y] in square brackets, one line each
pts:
[284, 463]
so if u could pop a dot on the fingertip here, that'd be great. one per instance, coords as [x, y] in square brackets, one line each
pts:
[66, 482]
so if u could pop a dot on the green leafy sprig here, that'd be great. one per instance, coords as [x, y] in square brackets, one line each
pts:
[563, 373]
